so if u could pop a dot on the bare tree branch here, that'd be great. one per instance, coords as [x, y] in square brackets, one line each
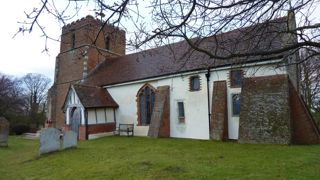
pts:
[193, 21]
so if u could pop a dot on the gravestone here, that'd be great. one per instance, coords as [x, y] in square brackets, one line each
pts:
[49, 140]
[70, 139]
[4, 132]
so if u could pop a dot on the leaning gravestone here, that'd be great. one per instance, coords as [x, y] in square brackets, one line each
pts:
[4, 132]
[70, 140]
[49, 140]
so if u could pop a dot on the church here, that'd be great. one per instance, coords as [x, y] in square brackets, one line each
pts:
[176, 91]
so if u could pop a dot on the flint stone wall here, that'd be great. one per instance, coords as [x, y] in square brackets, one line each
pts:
[265, 113]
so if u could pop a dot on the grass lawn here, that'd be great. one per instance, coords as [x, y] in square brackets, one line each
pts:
[146, 158]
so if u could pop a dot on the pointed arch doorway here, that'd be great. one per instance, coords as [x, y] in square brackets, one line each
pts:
[75, 119]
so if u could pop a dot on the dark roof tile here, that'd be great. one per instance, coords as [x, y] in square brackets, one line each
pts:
[180, 57]
[92, 97]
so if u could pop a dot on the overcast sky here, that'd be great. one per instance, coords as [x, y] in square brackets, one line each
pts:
[23, 54]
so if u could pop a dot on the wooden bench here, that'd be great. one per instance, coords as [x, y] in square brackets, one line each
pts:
[127, 128]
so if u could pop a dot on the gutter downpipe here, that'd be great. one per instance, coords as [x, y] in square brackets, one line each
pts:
[208, 96]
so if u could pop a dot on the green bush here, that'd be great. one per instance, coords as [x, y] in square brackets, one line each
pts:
[20, 129]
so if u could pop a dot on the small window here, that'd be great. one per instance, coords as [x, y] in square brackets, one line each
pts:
[73, 40]
[181, 112]
[194, 83]
[235, 104]
[107, 42]
[236, 78]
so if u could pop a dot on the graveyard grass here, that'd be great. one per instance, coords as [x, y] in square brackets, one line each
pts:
[147, 158]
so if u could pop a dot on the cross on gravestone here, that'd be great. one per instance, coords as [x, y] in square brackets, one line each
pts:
[70, 139]
[4, 132]
[49, 140]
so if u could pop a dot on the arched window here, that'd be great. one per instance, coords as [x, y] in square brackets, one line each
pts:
[107, 42]
[145, 99]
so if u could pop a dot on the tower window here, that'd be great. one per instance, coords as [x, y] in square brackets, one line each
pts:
[107, 42]
[73, 40]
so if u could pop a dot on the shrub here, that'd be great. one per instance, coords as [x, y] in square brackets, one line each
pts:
[20, 129]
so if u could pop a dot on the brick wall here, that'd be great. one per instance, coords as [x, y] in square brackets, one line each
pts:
[219, 118]
[265, 113]
[66, 128]
[160, 120]
[82, 132]
[74, 64]
[58, 116]
[92, 129]
[164, 131]
[101, 128]
[304, 128]
[86, 30]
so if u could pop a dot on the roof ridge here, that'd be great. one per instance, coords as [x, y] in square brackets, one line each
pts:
[252, 26]
[143, 64]
[85, 85]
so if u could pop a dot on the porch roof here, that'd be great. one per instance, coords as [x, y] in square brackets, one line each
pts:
[92, 96]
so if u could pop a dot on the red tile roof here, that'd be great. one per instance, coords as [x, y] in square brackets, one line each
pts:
[180, 57]
[92, 97]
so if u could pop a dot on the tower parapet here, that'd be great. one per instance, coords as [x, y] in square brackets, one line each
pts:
[86, 32]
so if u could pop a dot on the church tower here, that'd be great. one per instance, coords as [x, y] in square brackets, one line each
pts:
[84, 45]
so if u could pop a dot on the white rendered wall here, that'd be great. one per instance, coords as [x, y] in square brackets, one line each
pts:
[195, 103]
[100, 115]
[125, 96]
[91, 116]
[109, 115]
[196, 123]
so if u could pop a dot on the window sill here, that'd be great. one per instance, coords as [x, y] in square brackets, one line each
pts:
[139, 125]
[181, 120]
[194, 90]
[101, 123]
